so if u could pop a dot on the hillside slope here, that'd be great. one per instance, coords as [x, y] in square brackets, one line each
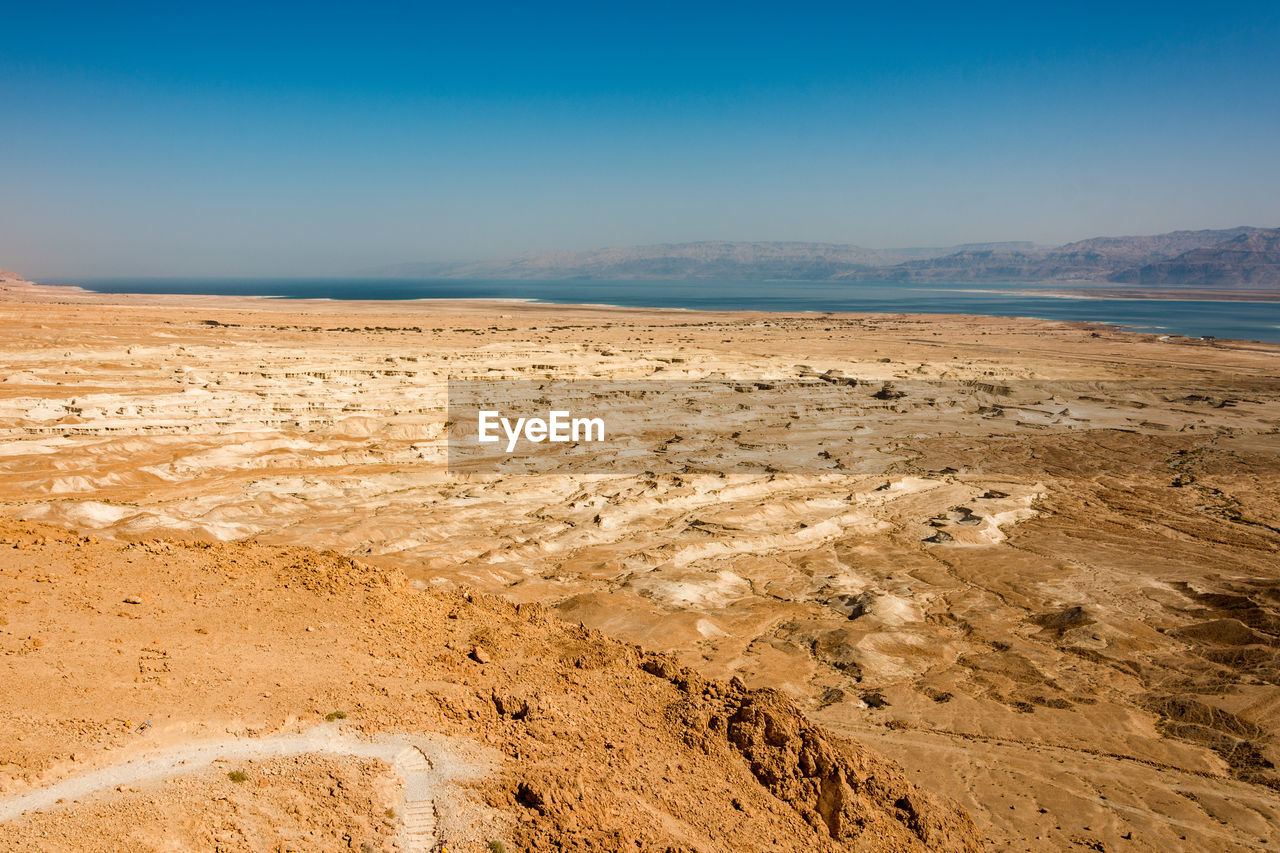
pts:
[110, 651]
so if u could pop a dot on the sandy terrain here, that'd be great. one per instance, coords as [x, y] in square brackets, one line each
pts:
[242, 697]
[1042, 580]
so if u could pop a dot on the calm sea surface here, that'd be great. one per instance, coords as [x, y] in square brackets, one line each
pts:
[1259, 321]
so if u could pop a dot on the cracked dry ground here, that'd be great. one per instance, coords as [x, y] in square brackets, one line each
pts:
[1043, 581]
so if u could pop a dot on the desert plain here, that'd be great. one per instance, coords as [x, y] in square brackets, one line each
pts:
[1027, 597]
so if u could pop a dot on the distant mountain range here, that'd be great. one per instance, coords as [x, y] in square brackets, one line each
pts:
[1250, 259]
[1234, 257]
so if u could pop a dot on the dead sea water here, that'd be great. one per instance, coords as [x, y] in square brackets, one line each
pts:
[1228, 317]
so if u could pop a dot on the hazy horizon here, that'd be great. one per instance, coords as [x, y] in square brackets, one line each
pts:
[295, 140]
[389, 268]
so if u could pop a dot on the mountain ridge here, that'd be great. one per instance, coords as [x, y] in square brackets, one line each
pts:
[1250, 259]
[1243, 256]
[699, 259]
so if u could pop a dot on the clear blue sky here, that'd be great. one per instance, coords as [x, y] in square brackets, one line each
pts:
[228, 139]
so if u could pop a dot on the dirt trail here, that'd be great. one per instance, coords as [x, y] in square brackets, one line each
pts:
[427, 765]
